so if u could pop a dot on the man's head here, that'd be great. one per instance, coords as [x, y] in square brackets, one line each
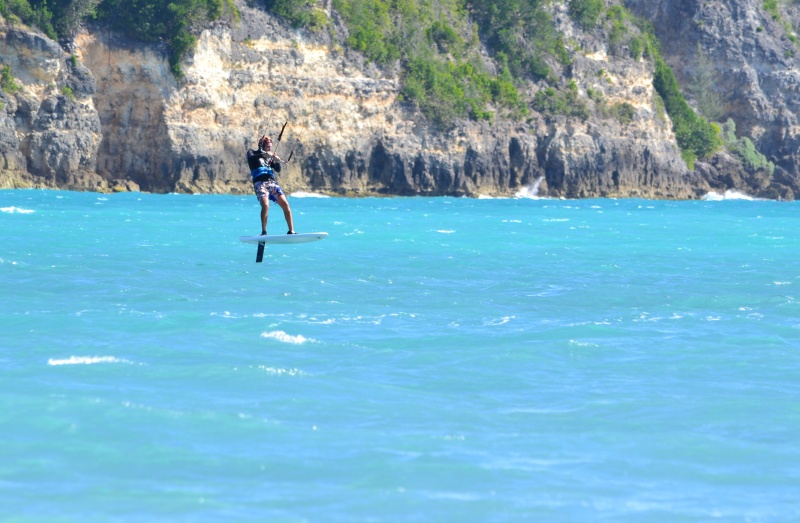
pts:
[265, 143]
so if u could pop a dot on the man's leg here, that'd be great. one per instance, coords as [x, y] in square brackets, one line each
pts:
[287, 211]
[264, 212]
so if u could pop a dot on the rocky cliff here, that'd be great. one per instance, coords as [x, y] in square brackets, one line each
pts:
[110, 116]
[756, 72]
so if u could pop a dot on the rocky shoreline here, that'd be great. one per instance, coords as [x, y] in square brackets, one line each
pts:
[109, 116]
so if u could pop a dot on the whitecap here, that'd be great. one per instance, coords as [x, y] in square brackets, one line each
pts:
[445, 231]
[86, 360]
[498, 321]
[18, 210]
[286, 338]
[224, 314]
[306, 194]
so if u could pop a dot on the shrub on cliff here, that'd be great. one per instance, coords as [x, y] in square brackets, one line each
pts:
[586, 12]
[744, 149]
[561, 102]
[7, 81]
[300, 13]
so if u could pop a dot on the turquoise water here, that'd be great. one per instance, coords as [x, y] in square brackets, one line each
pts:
[434, 359]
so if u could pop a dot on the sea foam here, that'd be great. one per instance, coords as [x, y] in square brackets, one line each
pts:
[18, 210]
[727, 195]
[305, 194]
[286, 338]
[86, 360]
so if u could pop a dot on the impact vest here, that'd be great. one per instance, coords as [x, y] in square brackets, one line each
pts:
[261, 169]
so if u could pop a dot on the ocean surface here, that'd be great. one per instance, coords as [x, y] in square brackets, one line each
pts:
[434, 359]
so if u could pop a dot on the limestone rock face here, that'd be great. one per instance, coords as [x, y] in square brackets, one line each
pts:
[113, 117]
[50, 129]
[756, 68]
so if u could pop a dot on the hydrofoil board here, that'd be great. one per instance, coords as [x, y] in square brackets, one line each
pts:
[285, 239]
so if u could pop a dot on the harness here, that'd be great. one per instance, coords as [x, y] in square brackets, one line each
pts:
[262, 174]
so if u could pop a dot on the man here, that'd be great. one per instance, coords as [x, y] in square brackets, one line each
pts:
[263, 165]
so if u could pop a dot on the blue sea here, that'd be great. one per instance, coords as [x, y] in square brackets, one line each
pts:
[433, 359]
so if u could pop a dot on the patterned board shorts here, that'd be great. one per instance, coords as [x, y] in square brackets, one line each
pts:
[268, 188]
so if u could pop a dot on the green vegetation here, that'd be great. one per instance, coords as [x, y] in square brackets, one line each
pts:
[636, 46]
[444, 90]
[372, 30]
[772, 8]
[617, 15]
[67, 91]
[561, 102]
[703, 87]
[696, 137]
[745, 149]
[145, 20]
[624, 112]
[154, 20]
[36, 14]
[438, 52]
[435, 44]
[7, 81]
[586, 12]
[523, 32]
[300, 13]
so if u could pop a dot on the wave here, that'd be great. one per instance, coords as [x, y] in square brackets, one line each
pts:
[286, 338]
[498, 321]
[18, 210]
[730, 194]
[305, 194]
[487, 197]
[86, 360]
[532, 191]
